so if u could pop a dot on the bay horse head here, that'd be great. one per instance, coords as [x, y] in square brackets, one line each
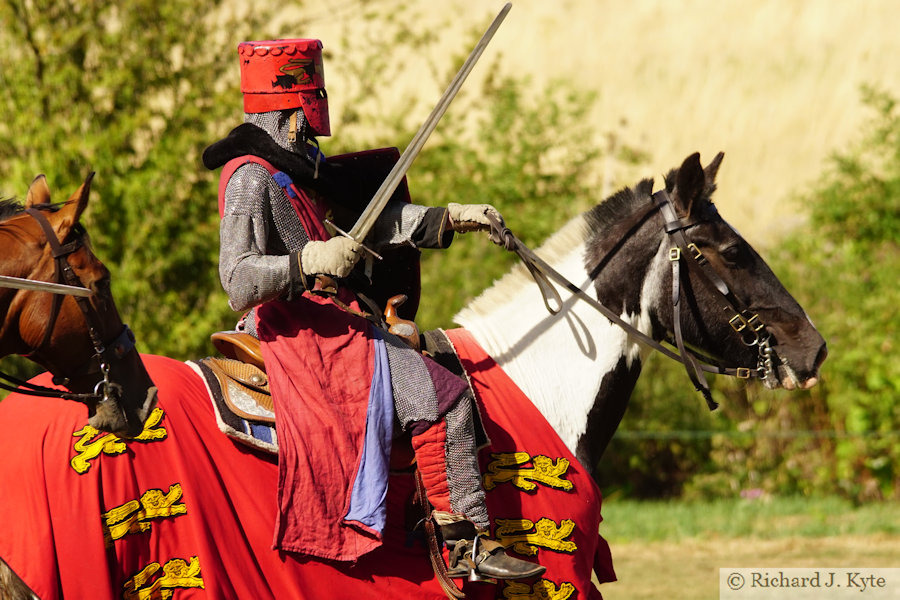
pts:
[714, 296]
[80, 340]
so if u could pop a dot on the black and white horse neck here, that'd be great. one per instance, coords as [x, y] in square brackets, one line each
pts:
[577, 367]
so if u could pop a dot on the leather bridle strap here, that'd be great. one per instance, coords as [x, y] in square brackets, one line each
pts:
[59, 252]
[65, 274]
[103, 353]
[741, 321]
[674, 228]
[543, 273]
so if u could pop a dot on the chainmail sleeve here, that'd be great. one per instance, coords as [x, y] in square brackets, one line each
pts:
[258, 236]
[405, 224]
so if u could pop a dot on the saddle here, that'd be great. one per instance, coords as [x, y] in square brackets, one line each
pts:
[244, 407]
[239, 388]
[239, 346]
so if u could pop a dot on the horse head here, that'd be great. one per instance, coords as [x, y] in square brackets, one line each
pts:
[80, 340]
[713, 295]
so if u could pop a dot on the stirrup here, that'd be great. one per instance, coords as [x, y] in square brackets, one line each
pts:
[461, 563]
[485, 559]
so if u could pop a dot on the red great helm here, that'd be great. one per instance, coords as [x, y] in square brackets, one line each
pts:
[285, 74]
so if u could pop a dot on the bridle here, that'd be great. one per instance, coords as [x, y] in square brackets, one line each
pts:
[104, 352]
[744, 322]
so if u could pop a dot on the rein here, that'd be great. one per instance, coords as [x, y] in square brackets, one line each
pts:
[103, 353]
[745, 324]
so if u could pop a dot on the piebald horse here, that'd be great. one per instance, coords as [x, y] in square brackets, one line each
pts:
[174, 507]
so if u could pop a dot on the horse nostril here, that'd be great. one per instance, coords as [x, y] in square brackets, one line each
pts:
[820, 358]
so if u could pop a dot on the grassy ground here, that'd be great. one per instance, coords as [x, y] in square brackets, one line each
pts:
[674, 550]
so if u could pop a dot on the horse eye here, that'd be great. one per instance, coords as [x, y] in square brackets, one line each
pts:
[731, 254]
[102, 285]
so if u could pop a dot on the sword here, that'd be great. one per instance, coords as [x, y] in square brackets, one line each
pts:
[366, 221]
[43, 286]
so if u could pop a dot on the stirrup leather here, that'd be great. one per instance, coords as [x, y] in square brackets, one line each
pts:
[466, 555]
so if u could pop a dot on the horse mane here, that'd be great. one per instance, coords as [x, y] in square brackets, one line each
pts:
[594, 223]
[611, 211]
[10, 207]
[556, 246]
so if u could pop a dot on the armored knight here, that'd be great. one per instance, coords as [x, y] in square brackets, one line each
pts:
[340, 383]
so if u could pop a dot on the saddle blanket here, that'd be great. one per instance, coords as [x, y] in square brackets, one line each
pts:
[185, 510]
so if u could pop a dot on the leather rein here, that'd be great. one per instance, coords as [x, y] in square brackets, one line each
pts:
[743, 321]
[104, 353]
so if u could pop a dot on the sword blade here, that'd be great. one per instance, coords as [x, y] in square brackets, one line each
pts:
[43, 286]
[367, 220]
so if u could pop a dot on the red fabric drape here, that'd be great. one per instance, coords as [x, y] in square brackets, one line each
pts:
[192, 511]
[531, 475]
[319, 360]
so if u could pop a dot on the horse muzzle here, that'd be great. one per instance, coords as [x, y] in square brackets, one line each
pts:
[115, 414]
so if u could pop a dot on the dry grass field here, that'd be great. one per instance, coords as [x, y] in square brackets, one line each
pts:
[772, 83]
[689, 569]
[674, 550]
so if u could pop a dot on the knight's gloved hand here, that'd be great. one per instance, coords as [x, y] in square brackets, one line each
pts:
[335, 257]
[472, 217]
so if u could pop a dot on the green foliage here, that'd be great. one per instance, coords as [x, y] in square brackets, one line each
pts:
[133, 92]
[859, 200]
[507, 163]
[853, 256]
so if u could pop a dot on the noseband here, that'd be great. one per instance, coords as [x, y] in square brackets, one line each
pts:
[104, 353]
[744, 322]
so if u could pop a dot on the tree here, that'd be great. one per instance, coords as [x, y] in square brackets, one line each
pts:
[134, 92]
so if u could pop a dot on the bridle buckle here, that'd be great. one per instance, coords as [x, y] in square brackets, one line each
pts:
[695, 252]
[738, 322]
[755, 323]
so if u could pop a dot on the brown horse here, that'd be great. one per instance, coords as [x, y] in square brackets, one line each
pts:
[578, 368]
[102, 369]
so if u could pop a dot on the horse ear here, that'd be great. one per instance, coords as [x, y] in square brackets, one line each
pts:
[67, 216]
[712, 169]
[689, 184]
[38, 192]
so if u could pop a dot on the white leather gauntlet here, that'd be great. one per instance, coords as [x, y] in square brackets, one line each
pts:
[335, 257]
[471, 217]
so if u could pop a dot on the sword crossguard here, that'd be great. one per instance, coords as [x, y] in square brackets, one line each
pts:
[347, 235]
